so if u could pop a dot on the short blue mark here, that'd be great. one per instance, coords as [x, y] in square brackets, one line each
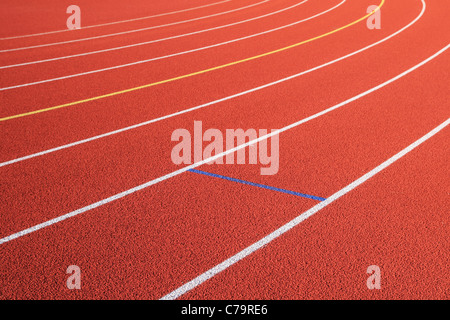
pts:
[258, 185]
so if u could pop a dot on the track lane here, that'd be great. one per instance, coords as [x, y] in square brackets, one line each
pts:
[118, 281]
[160, 242]
[109, 277]
[132, 45]
[132, 38]
[44, 14]
[39, 144]
[115, 22]
[55, 71]
[135, 29]
[64, 186]
[155, 50]
[402, 227]
[165, 69]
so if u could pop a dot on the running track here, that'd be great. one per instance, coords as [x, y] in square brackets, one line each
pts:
[87, 178]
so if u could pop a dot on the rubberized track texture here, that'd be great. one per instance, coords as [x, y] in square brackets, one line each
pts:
[87, 176]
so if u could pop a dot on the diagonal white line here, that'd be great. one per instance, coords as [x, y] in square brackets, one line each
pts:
[167, 56]
[210, 159]
[115, 22]
[132, 31]
[69, 145]
[296, 221]
[152, 41]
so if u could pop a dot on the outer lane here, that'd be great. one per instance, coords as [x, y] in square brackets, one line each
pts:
[102, 270]
[82, 38]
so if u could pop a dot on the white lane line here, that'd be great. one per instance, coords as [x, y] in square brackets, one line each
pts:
[210, 159]
[135, 30]
[299, 219]
[170, 55]
[69, 145]
[115, 22]
[150, 42]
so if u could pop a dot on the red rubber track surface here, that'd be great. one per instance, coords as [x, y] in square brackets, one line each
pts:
[149, 243]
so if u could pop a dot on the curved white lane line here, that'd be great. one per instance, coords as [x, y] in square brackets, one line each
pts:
[151, 41]
[69, 145]
[168, 56]
[135, 30]
[115, 22]
[299, 219]
[247, 251]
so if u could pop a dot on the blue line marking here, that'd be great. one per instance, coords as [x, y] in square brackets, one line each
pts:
[258, 185]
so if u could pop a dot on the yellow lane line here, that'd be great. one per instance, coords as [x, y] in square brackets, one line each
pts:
[190, 74]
